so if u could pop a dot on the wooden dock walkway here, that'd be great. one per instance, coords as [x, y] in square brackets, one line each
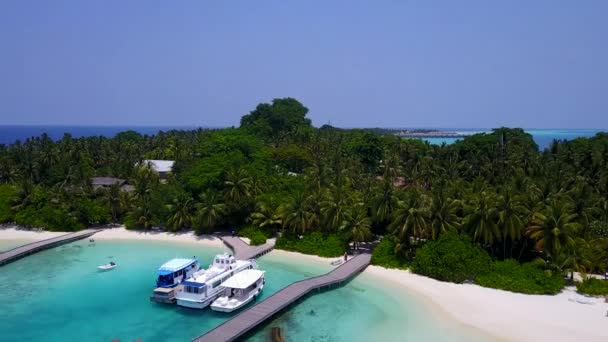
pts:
[243, 251]
[34, 247]
[247, 320]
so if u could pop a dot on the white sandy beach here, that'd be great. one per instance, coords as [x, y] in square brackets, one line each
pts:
[13, 233]
[189, 237]
[515, 317]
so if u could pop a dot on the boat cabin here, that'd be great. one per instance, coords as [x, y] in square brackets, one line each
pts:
[223, 261]
[175, 271]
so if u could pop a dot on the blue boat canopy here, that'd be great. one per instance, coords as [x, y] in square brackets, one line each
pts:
[176, 264]
[164, 272]
[193, 284]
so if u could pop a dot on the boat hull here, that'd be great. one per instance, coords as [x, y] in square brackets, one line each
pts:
[220, 308]
[194, 304]
[106, 268]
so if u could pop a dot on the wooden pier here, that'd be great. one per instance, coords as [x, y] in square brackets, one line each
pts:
[34, 247]
[243, 251]
[247, 320]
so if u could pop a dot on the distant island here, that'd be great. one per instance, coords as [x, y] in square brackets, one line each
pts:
[428, 133]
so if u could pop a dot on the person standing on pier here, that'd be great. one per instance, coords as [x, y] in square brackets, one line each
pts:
[345, 256]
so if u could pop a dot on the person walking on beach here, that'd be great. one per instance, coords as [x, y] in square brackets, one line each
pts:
[345, 257]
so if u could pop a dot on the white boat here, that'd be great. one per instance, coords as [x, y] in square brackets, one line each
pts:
[337, 262]
[239, 290]
[110, 266]
[175, 271]
[205, 286]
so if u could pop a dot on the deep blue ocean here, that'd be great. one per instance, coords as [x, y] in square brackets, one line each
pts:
[9, 134]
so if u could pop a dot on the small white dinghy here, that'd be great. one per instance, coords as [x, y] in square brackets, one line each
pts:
[337, 262]
[112, 265]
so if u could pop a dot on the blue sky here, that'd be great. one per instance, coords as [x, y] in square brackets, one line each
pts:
[353, 63]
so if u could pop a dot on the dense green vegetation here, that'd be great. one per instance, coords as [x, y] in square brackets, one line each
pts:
[384, 255]
[314, 243]
[278, 173]
[452, 258]
[593, 287]
[530, 278]
[256, 236]
[7, 193]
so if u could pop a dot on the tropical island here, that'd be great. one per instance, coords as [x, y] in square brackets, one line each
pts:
[490, 210]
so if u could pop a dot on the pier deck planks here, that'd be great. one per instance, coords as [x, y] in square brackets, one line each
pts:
[244, 251]
[34, 247]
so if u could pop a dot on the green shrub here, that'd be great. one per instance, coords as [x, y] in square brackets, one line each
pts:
[384, 255]
[593, 287]
[48, 217]
[7, 192]
[451, 258]
[528, 278]
[256, 237]
[316, 243]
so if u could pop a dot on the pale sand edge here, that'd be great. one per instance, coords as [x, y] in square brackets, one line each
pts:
[15, 233]
[504, 314]
[119, 233]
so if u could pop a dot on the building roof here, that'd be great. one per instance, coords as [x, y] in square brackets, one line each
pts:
[243, 279]
[107, 181]
[160, 165]
[176, 264]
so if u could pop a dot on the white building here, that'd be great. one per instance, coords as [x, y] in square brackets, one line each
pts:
[163, 167]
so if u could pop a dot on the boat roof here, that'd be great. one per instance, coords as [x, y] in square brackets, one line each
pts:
[176, 264]
[164, 289]
[243, 279]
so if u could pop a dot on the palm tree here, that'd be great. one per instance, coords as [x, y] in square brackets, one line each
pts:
[554, 228]
[209, 211]
[143, 214]
[334, 207]
[180, 213]
[482, 218]
[384, 203]
[411, 219]
[238, 186]
[112, 197]
[442, 215]
[296, 215]
[576, 258]
[266, 214]
[146, 180]
[23, 197]
[356, 226]
[510, 212]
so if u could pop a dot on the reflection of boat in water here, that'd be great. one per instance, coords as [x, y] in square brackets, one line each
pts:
[205, 286]
[112, 265]
[240, 289]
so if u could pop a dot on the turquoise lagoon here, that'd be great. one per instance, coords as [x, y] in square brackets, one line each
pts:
[542, 137]
[58, 295]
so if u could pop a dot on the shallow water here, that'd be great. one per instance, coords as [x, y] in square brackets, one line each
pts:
[58, 295]
[365, 310]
